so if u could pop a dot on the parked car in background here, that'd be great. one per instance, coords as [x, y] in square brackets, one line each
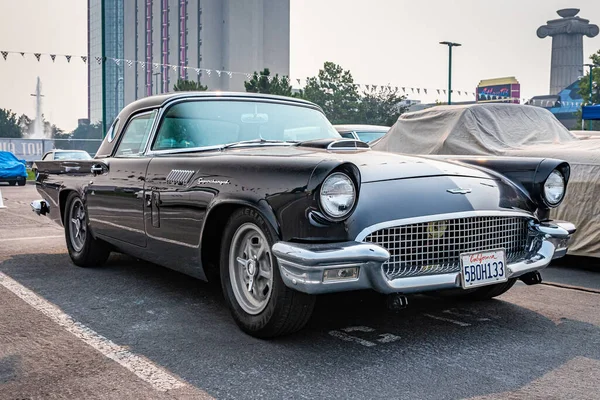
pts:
[58, 154]
[264, 193]
[12, 170]
[510, 130]
[366, 133]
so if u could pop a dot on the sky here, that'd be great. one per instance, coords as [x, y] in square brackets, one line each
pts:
[381, 42]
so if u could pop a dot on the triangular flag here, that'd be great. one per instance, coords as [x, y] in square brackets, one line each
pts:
[117, 61]
[367, 86]
[444, 91]
[425, 90]
[174, 67]
[404, 89]
[22, 54]
[218, 72]
[129, 63]
[418, 90]
[248, 76]
[438, 90]
[4, 54]
[229, 73]
[208, 71]
[197, 71]
[98, 60]
[84, 59]
[143, 65]
[68, 58]
[412, 89]
[374, 87]
[155, 65]
[459, 92]
[298, 80]
[53, 57]
[37, 55]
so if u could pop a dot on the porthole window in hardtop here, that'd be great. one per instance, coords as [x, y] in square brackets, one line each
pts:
[110, 135]
[213, 123]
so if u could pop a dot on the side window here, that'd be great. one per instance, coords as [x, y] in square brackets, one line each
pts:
[135, 135]
[347, 135]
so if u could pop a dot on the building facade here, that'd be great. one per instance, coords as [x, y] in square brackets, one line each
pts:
[498, 90]
[169, 35]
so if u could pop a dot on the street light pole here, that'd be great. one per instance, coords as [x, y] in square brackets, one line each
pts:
[450, 46]
[591, 87]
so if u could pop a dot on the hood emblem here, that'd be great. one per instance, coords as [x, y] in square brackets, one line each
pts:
[436, 229]
[458, 191]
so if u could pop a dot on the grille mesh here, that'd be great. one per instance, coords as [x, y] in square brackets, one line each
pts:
[434, 247]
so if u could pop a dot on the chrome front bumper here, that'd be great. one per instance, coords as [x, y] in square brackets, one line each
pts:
[302, 266]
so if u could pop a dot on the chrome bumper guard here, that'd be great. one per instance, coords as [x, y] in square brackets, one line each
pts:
[303, 265]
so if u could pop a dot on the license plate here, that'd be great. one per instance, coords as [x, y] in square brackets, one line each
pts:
[482, 268]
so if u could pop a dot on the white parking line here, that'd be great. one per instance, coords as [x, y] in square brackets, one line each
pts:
[32, 237]
[447, 320]
[146, 370]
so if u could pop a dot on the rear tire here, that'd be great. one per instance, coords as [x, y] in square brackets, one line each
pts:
[21, 182]
[260, 303]
[84, 250]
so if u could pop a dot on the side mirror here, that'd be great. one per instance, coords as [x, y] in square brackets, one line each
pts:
[99, 168]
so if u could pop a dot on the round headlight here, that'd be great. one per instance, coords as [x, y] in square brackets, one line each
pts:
[554, 188]
[337, 195]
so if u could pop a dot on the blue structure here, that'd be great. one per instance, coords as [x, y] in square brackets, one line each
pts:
[591, 113]
[563, 105]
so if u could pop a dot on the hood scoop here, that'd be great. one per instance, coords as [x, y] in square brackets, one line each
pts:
[336, 144]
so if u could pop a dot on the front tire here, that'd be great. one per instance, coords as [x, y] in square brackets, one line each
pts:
[260, 303]
[21, 182]
[84, 250]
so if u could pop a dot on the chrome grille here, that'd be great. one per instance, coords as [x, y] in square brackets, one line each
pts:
[434, 247]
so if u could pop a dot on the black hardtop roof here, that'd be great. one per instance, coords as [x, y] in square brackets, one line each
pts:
[162, 99]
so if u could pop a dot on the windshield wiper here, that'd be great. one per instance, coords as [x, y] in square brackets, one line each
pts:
[255, 141]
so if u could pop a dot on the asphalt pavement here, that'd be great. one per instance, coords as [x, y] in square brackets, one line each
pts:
[132, 329]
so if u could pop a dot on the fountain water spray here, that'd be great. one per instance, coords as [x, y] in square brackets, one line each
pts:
[38, 127]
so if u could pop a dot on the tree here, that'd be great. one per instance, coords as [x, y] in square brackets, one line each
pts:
[184, 85]
[584, 90]
[381, 106]
[334, 90]
[88, 131]
[9, 125]
[263, 82]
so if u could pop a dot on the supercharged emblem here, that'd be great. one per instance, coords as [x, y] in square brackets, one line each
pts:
[202, 181]
[458, 191]
[436, 229]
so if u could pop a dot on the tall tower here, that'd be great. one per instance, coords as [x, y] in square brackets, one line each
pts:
[567, 46]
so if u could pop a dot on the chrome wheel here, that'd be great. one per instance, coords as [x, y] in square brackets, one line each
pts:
[77, 224]
[251, 268]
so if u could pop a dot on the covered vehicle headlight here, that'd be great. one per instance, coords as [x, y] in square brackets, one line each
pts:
[338, 195]
[554, 188]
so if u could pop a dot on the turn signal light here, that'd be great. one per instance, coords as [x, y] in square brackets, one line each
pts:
[340, 274]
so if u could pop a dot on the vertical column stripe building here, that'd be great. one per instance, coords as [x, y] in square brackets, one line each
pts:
[231, 35]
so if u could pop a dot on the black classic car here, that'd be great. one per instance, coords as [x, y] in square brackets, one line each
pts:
[263, 193]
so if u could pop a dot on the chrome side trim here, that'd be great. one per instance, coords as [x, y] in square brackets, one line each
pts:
[179, 176]
[438, 217]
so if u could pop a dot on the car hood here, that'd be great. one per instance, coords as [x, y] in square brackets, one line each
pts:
[374, 166]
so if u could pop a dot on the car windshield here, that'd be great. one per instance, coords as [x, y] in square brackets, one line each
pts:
[369, 136]
[221, 122]
[71, 155]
